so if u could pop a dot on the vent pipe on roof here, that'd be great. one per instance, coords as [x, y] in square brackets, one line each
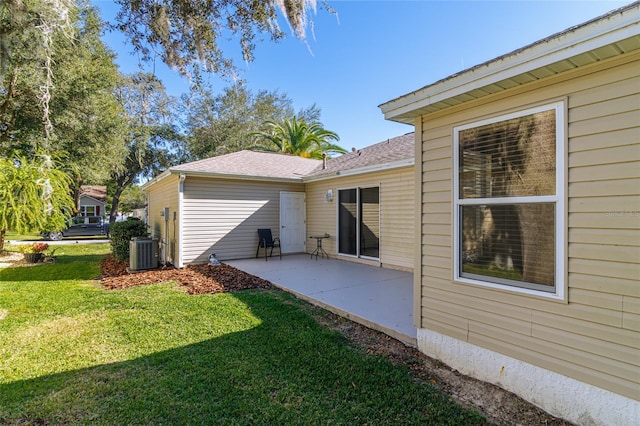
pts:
[324, 160]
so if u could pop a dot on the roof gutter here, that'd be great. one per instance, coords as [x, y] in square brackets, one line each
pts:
[195, 173]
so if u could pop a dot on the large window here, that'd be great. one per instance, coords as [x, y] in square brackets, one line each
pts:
[88, 210]
[508, 196]
[359, 222]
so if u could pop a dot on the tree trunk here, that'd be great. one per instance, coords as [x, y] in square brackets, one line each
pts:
[2, 234]
[538, 233]
[115, 202]
[76, 195]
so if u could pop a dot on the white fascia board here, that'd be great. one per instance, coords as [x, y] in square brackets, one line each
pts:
[195, 173]
[408, 162]
[606, 31]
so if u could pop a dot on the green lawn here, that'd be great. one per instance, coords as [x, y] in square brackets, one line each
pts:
[10, 235]
[73, 353]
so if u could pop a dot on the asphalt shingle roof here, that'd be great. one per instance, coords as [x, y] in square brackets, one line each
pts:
[253, 164]
[99, 192]
[394, 149]
[256, 164]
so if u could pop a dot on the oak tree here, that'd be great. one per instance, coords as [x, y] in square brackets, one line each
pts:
[218, 125]
[151, 137]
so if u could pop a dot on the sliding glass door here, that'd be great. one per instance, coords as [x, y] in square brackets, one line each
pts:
[347, 221]
[359, 222]
[369, 214]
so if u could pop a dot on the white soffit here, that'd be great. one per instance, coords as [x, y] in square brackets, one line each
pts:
[613, 34]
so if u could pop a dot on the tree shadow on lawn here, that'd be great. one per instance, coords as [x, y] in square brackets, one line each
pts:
[287, 370]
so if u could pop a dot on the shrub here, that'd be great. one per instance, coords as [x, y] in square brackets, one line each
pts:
[122, 232]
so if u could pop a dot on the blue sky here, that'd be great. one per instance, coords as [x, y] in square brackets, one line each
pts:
[374, 51]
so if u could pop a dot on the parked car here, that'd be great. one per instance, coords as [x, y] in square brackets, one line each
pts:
[81, 226]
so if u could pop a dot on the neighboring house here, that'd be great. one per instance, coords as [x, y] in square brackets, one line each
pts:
[527, 260]
[140, 213]
[215, 206]
[92, 200]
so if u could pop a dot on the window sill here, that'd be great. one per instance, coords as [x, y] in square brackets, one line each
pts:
[557, 296]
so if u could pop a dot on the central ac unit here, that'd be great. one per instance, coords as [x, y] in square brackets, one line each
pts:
[143, 254]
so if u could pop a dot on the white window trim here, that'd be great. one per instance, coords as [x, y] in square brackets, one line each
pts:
[357, 188]
[83, 209]
[558, 199]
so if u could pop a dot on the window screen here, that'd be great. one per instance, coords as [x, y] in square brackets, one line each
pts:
[507, 202]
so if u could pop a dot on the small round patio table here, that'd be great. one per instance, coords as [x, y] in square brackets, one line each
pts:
[319, 251]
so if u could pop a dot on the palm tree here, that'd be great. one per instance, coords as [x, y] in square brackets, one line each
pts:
[296, 137]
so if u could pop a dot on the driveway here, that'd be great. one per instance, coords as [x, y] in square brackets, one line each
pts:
[78, 240]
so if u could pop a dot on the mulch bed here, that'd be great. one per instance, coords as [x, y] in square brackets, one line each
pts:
[197, 279]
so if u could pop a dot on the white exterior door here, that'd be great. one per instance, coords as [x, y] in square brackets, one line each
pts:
[293, 231]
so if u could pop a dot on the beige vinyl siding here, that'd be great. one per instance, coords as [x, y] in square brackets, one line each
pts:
[321, 215]
[594, 337]
[160, 195]
[396, 214]
[222, 216]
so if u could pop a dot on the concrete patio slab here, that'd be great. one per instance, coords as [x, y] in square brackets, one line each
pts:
[378, 298]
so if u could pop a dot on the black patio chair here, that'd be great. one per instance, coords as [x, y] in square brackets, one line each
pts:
[266, 240]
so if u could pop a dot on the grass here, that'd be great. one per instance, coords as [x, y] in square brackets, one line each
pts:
[73, 353]
[14, 236]
[490, 271]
